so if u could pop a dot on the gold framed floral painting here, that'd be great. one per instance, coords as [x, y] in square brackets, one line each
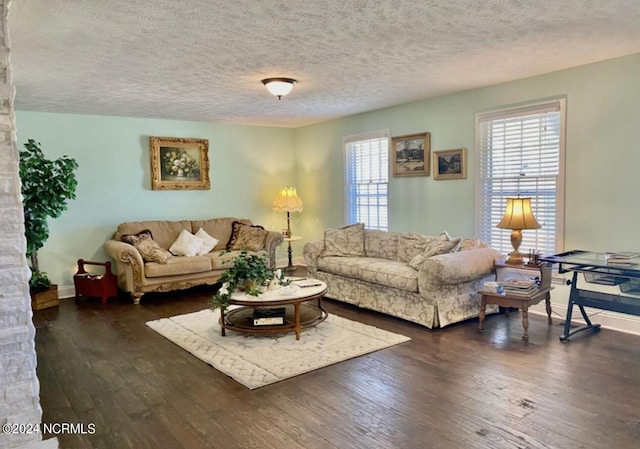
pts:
[179, 164]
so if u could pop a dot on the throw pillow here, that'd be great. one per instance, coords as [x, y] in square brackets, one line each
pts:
[246, 237]
[186, 244]
[442, 245]
[472, 243]
[208, 242]
[412, 244]
[347, 241]
[147, 247]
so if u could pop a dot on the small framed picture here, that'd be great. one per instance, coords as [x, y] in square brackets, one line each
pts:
[179, 164]
[410, 155]
[450, 164]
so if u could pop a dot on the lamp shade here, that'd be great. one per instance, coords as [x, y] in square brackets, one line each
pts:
[518, 215]
[287, 200]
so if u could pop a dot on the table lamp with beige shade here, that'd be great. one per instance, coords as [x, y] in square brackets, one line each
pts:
[518, 216]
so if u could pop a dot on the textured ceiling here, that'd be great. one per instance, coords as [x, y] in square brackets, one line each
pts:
[203, 59]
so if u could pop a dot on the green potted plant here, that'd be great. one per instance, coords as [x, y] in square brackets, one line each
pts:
[47, 185]
[248, 272]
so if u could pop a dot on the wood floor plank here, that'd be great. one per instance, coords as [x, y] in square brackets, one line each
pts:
[448, 388]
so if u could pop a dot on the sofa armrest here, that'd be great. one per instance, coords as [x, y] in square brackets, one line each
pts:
[271, 243]
[456, 268]
[128, 264]
[123, 252]
[311, 252]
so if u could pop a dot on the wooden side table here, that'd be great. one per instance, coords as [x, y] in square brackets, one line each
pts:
[521, 302]
[102, 286]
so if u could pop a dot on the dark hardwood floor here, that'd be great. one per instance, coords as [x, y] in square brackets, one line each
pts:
[449, 388]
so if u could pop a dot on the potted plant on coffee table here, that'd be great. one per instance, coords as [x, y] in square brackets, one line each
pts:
[47, 185]
[248, 272]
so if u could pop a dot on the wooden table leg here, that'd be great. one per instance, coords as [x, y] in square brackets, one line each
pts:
[547, 301]
[525, 321]
[483, 311]
[222, 329]
[296, 314]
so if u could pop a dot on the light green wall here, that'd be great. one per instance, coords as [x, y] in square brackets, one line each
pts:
[602, 156]
[248, 165]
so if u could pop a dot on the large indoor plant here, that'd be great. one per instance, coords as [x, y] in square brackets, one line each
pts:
[248, 272]
[47, 185]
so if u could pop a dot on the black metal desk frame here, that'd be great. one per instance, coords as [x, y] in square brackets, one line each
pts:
[595, 265]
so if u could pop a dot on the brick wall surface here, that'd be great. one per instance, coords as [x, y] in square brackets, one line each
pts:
[19, 387]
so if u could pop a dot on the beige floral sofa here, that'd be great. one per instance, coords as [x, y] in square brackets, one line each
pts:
[160, 256]
[429, 280]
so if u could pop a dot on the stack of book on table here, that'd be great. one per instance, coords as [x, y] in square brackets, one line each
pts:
[268, 316]
[520, 287]
[492, 287]
[624, 258]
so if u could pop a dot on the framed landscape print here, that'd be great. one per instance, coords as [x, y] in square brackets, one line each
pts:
[450, 164]
[410, 155]
[179, 164]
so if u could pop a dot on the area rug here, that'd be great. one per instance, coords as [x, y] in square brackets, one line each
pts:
[259, 360]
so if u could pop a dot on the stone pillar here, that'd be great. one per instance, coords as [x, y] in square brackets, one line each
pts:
[19, 387]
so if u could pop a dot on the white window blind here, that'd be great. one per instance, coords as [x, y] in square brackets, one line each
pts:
[367, 179]
[521, 153]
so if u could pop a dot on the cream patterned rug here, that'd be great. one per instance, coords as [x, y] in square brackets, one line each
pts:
[259, 360]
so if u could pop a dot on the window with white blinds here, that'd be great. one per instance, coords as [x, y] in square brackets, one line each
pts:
[367, 179]
[521, 153]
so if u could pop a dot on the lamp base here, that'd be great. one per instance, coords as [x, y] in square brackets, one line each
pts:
[515, 258]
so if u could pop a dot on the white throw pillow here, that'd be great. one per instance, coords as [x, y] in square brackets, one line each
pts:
[208, 242]
[186, 244]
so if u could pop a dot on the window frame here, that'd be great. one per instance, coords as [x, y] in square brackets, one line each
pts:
[523, 110]
[346, 141]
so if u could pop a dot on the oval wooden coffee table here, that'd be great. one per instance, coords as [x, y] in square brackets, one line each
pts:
[303, 308]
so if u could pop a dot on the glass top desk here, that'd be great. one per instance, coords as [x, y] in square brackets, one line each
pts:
[599, 268]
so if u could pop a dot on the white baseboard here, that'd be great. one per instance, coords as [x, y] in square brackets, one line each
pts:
[629, 324]
[66, 291]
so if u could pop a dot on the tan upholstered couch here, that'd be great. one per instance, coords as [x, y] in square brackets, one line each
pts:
[430, 280]
[138, 276]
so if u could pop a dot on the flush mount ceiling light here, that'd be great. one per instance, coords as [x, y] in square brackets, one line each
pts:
[279, 86]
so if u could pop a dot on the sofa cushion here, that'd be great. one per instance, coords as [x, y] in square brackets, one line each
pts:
[411, 244]
[246, 237]
[208, 242]
[178, 266]
[382, 244]
[186, 244]
[219, 228]
[376, 270]
[346, 241]
[147, 247]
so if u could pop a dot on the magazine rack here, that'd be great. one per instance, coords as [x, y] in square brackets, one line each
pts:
[101, 286]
